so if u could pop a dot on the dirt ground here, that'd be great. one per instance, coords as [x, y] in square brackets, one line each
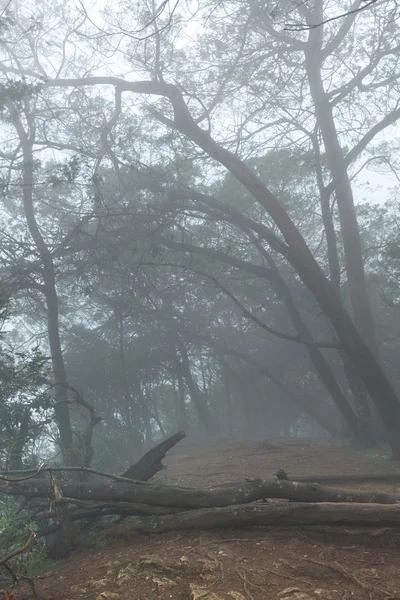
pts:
[253, 564]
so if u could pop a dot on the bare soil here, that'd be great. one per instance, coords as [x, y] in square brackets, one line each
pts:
[253, 564]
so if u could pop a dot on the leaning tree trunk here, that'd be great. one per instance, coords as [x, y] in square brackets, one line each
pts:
[50, 293]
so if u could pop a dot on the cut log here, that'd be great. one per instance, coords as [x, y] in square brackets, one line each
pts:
[151, 462]
[285, 514]
[179, 497]
[342, 477]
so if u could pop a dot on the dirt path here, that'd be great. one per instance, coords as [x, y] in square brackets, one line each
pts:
[257, 564]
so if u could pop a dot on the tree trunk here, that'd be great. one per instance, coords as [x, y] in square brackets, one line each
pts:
[144, 403]
[132, 438]
[198, 398]
[182, 419]
[228, 396]
[50, 292]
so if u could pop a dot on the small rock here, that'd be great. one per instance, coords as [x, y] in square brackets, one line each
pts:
[324, 594]
[236, 595]
[78, 589]
[126, 574]
[209, 565]
[96, 583]
[163, 583]
[112, 566]
[208, 577]
[108, 596]
[113, 563]
[294, 593]
[202, 593]
[155, 562]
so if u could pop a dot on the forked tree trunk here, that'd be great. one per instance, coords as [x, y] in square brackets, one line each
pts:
[362, 313]
[366, 433]
[361, 308]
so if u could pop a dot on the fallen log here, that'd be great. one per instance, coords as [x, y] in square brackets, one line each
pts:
[341, 477]
[123, 509]
[285, 514]
[180, 497]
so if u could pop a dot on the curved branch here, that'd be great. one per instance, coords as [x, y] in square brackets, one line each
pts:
[20, 550]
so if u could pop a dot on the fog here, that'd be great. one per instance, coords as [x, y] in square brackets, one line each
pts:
[199, 225]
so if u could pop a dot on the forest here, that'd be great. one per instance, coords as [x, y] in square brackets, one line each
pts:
[199, 233]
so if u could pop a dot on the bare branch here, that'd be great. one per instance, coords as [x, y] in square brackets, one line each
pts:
[20, 550]
[304, 27]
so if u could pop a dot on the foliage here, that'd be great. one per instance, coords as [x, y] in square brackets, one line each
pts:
[13, 536]
[23, 400]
